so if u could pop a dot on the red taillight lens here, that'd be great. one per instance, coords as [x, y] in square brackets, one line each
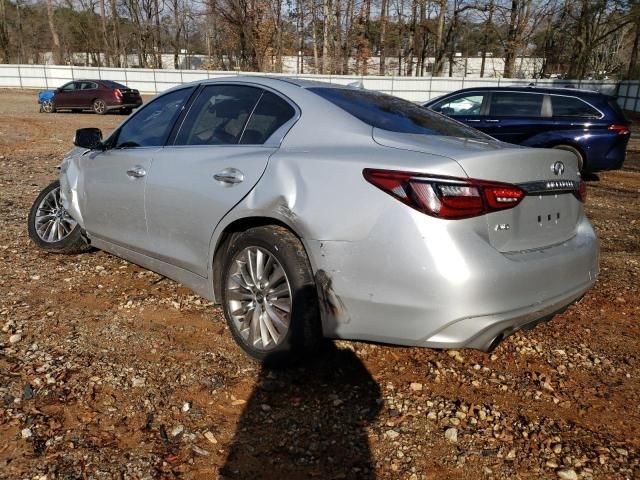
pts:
[445, 197]
[581, 192]
[620, 129]
[117, 93]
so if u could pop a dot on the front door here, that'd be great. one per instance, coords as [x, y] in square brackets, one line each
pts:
[219, 155]
[64, 97]
[115, 179]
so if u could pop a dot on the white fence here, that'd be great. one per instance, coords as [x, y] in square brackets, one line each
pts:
[411, 88]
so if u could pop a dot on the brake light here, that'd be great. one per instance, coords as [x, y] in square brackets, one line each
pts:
[581, 192]
[117, 93]
[445, 197]
[620, 129]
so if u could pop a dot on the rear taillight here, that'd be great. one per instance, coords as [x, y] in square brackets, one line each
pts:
[581, 192]
[620, 129]
[445, 197]
[117, 93]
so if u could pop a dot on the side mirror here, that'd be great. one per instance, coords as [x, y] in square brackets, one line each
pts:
[90, 138]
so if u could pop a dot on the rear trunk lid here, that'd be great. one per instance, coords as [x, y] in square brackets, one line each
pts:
[549, 213]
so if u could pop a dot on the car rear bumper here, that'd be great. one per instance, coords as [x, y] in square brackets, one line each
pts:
[446, 288]
[118, 106]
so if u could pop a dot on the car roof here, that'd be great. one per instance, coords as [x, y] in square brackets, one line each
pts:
[267, 80]
[576, 92]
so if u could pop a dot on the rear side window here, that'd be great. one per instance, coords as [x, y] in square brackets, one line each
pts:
[615, 106]
[219, 115]
[515, 104]
[572, 107]
[466, 105]
[394, 114]
[269, 115]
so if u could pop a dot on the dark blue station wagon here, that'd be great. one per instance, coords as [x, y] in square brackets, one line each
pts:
[588, 123]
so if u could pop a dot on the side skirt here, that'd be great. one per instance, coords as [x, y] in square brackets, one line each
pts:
[200, 285]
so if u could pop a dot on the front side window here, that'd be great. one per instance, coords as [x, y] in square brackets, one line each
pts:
[572, 107]
[467, 105]
[516, 104]
[219, 115]
[269, 115]
[394, 114]
[151, 125]
[68, 87]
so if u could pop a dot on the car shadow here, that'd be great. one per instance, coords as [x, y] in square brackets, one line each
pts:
[590, 177]
[307, 422]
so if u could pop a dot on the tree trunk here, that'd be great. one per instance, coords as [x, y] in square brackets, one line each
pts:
[326, 7]
[4, 34]
[116, 37]
[58, 57]
[383, 35]
[314, 37]
[632, 72]
[485, 38]
[438, 63]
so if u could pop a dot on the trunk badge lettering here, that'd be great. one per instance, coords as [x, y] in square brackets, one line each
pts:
[502, 226]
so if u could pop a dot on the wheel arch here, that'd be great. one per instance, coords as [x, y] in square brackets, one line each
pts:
[239, 225]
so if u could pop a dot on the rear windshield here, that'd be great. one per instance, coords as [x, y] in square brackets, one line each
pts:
[392, 113]
[111, 84]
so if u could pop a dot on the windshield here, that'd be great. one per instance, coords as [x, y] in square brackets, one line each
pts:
[112, 84]
[394, 114]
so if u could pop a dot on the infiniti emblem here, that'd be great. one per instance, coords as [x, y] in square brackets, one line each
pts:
[558, 168]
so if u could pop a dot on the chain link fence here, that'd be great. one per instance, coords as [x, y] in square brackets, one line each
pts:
[417, 89]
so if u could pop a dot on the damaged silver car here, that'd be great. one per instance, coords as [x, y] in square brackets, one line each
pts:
[311, 210]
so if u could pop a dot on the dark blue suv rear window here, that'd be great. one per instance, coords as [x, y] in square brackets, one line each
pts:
[392, 113]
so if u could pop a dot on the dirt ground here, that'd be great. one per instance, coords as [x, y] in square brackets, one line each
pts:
[109, 371]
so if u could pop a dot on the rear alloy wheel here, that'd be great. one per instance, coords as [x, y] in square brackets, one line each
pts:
[51, 227]
[48, 106]
[269, 296]
[99, 106]
[576, 152]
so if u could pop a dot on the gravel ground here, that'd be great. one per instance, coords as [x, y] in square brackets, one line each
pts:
[109, 371]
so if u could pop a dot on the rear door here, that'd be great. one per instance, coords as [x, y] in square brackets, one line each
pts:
[515, 117]
[219, 154]
[85, 94]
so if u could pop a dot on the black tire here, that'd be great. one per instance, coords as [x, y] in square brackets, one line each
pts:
[582, 164]
[48, 106]
[304, 332]
[126, 111]
[99, 106]
[72, 243]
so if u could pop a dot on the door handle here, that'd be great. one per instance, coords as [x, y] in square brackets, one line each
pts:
[472, 120]
[492, 121]
[136, 172]
[229, 176]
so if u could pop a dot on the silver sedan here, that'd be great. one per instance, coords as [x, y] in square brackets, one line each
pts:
[311, 210]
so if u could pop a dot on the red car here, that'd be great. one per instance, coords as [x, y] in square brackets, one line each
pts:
[100, 96]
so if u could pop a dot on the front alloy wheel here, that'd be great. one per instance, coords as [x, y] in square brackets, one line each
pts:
[48, 106]
[51, 227]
